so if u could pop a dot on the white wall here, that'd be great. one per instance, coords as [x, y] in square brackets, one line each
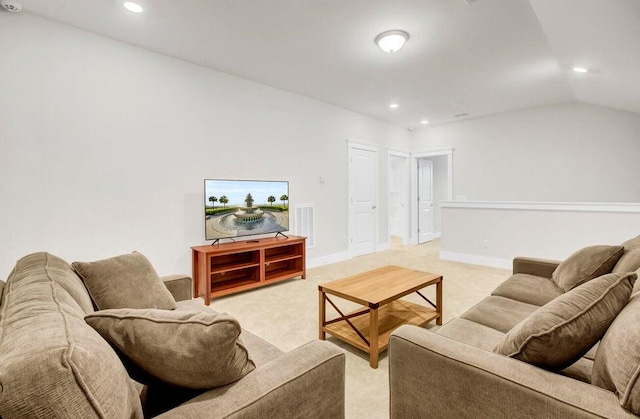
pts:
[572, 152]
[440, 182]
[104, 147]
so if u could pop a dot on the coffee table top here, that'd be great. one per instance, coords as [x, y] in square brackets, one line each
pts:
[380, 286]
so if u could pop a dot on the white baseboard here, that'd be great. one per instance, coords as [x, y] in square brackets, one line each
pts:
[436, 235]
[327, 259]
[339, 257]
[477, 260]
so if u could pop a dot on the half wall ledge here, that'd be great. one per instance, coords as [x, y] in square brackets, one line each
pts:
[493, 233]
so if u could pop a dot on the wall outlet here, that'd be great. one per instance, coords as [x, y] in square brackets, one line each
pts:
[485, 243]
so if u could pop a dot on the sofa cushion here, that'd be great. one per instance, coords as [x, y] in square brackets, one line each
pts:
[52, 364]
[529, 289]
[499, 313]
[126, 281]
[591, 353]
[62, 274]
[560, 332]
[586, 264]
[534, 266]
[471, 333]
[260, 351]
[617, 362]
[580, 370]
[190, 349]
[59, 272]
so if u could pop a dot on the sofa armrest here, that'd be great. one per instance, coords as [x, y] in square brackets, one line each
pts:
[437, 377]
[537, 267]
[307, 382]
[180, 286]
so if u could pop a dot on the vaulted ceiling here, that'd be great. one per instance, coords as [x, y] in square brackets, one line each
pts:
[473, 57]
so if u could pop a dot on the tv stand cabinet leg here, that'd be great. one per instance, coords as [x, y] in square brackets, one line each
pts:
[322, 314]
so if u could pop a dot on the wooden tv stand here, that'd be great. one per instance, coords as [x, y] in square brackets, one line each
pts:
[227, 268]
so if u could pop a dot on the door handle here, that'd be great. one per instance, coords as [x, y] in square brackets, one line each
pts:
[373, 207]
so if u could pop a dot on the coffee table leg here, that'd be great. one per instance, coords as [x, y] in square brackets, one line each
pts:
[321, 305]
[439, 302]
[373, 336]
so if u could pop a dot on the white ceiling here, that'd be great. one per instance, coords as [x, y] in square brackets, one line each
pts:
[489, 56]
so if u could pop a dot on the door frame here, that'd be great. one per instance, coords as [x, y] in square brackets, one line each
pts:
[414, 184]
[351, 223]
[406, 217]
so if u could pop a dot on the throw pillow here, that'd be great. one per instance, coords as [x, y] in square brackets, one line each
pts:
[616, 366]
[629, 262]
[127, 281]
[632, 243]
[197, 350]
[561, 331]
[586, 264]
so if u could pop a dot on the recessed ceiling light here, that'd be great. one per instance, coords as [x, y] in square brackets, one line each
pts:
[424, 122]
[132, 7]
[391, 41]
[580, 69]
[393, 105]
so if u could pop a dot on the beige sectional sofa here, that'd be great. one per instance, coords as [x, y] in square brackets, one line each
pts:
[456, 372]
[53, 364]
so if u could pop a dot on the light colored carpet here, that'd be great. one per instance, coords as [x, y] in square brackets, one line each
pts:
[286, 314]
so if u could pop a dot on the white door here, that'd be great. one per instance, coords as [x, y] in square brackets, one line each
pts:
[363, 200]
[425, 200]
[398, 199]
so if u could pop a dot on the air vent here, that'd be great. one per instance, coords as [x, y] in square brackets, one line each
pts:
[11, 5]
[460, 115]
[304, 223]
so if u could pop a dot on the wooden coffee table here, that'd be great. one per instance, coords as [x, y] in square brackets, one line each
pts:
[379, 291]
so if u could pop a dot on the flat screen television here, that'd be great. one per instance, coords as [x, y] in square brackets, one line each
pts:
[235, 208]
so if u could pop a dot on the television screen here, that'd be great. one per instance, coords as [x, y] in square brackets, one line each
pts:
[234, 208]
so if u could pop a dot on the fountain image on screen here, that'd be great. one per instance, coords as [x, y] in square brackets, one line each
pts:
[234, 208]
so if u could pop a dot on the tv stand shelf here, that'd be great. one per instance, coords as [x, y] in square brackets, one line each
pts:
[229, 268]
[224, 269]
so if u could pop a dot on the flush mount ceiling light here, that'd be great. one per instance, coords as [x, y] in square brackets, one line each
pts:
[132, 7]
[11, 6]
[393, 105]
[424, 122]
[391, 41]
[580, 69]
